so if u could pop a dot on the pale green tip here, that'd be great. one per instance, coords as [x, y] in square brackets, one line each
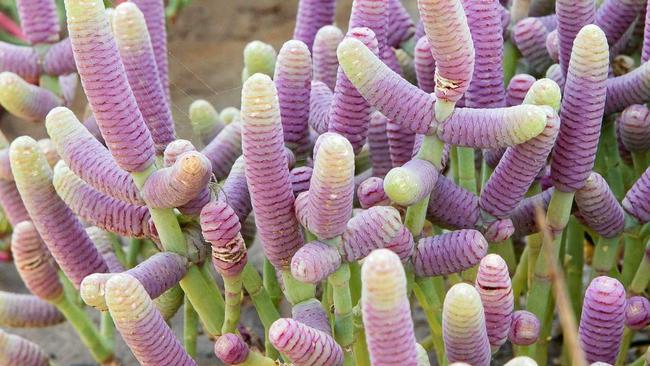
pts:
[544, 92]
[229, 114]
[203, 116]
[532, 123]
[259, 57]
[356, 60]
[402, 186]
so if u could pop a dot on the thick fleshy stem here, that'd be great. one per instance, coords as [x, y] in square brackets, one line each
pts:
[410, 183]
[24, 100]
[27, 311]
[574, 264]
[139, 322]
[518, 89]
[205, 120]
[449, 253]
[232, 350]
[104, 80]
[324, 54]
[425, 65]
[530, 36]
[636, 201]
[39, 20]
[224, 149]
[628, 89]
[572, 15]
[371, 193]
[109, 247]
[304, 345]
[463, 324]
[524, 328]
[614, 17]
[15, 350]
[88, 158]
[312, 16]
[494, 286]
[61, 231]
[259, 57]
[452, 206]
[137, 54]
[386, 312]
[21, 60]
[190, 327]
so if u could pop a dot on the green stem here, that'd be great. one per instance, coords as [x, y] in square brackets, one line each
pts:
[296, 291]
[604, 256]
[639, 161]
[628, 334]
[233, 288]
[510, 60]
[271, 282]
[534, 246]
[132, 252]
[505, 250]
[107, 329]
[431, 303]
[355, 282]
[632, 256]
[612, 160]
[519, 283]
[640, 280]
[360, 348]
[574, 267]
[466, 168]
[343, 325]
[117, 248]
[190, 328]
[260, 297]
[90, 337]
[257, 359]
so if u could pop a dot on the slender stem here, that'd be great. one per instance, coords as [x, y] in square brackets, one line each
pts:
[355, 282]
[506, 250]
[233, 288]
[343, 325]
[466, 168]
[639, 160]
[260, 297]
[510, 60]
[534, 246]
[360, 348]
[132, 252]
[519, 283]
[486, 171]
[90, 337]
[632, 256]
[628, 334]
[116, 244]
[612, 160]
[642, 276]
[574, 267]
[107, 329]
[296, 291]
[190, 327]
[431, 304]
[257, 359]
[604, 256]
[271, 284]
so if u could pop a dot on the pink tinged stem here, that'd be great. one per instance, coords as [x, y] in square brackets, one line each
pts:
[425, 65]
[400, 25]
[324, 55]
[312, 16]
[143, 328]
[598, 207]
[231, 349]
[8, 24]
[493, 128]
[523, 217]
[371, 193]
[446, 27]
[154, 15]
[312, 314]
[517, 89]
[486, 89]
[637, 312]
[524, 328]
[553, 46]
[157, 274]
[572, 15]
[645, 48]
[614, 17]
[637, 199]
[449, 253]
[178, 184]
[401, 143]
[555, 73]
[27, 311]
[61, 231]
[235, 190]
[530, 37]
[494, 286]
[628, 89]
[105, 82]
[35, 263]
[517, 170]
[59, 59]
[39, 20]
[452, 206]
[175, 149]
[88, 158]
[11, 202]
[463, 326]
[634, 128]
[21, 60]
[582, 109]
[379, 144]
[314, 262]
[384, 89]
[386, 310]
[379, 227]
[18, 351]
[303, 345]
[603, 320]
[331, 190]
[137, 55]
[224, 149]
[293, 74]
[99, 209]
[349, 113]
[221, 227]
[266, 170]
[24, 100]
[410, 183]
[300, 178]
[103, 240]
[320, 101]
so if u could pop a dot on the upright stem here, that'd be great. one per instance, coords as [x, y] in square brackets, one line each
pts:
[431, 304]
[260, 297]
[107, 329]
[574, 250]
[233, 288]
[505, 250]
[466, 168]
[510, 60]
[534, 246]
[271, 284]
[296, 291]
[343, 326]
[190, 327]
[132, 252]
[632, 256]
[90, 337]
[519, 283]
[604, 256]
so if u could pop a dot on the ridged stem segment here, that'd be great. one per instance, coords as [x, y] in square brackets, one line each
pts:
[572, 15]
[18, 351]
[449, 253]
[61, 231]
[137, 55]
[628, 89]
[494, 286]
[141, 325]
[39, 20]
[463, 326]
[530, 36]
[324, 54]
[27, 311]
[386, 311]
[266, 170]
[304, 345]
[582, 109]
[224, 149]
[24, 100]
[312, 16]
[636, 201]
[105, 82]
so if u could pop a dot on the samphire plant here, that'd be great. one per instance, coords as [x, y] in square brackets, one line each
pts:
[486, 166]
